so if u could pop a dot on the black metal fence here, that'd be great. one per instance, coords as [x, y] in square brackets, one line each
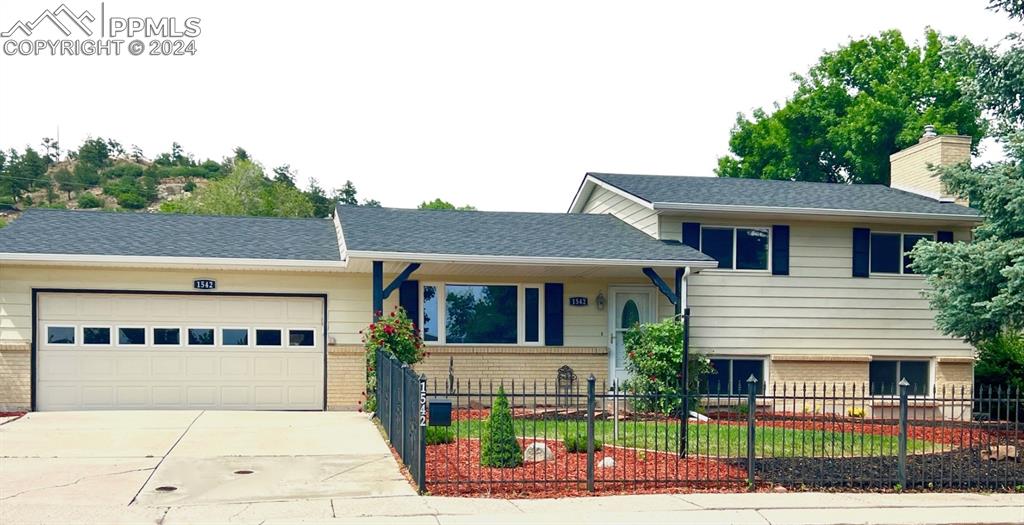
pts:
[584, 436]
[401, 409]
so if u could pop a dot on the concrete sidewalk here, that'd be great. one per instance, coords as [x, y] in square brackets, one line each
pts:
[762, 508]
[793, 508]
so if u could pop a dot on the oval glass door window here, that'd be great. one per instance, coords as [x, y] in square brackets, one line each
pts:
[630, 314]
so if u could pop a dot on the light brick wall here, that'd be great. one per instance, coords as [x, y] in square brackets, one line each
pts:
[795, 370]
[954, 374]
[346, 377]
[910, 171]
[15, 377]
[523, 364]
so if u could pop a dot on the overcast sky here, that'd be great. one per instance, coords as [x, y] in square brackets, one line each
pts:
[503, 106]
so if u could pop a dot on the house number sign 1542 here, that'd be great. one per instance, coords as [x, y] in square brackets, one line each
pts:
[204, 284]
[577, 301]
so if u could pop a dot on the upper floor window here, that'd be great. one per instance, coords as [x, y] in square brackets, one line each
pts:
[736, 248]
[889, 251]
[481, 314]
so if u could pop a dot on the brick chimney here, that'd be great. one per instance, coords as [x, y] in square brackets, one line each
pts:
[910, 167]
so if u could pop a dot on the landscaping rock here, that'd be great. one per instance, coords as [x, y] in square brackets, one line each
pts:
[999, 453]
[537, 452]
[779, 488]
[698, 417]
[607, 462]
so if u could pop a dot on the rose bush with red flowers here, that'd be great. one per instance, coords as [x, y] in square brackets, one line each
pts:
[395, 334]
[654, 352]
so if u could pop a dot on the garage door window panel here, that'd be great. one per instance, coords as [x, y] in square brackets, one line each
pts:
[96, 336]
[166, 336]
[58, 335]
[200, 336]
[234, 337]
[268, 337]
[131, 336]
[302, 338]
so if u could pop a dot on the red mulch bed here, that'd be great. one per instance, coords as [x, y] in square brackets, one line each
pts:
[15, 415]
[450, 466]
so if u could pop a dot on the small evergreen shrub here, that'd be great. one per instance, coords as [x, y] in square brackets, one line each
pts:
[440, 435]
[499, 446]
[578, 443]
[88, 200]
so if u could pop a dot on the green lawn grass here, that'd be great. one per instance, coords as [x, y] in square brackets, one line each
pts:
[723, 440]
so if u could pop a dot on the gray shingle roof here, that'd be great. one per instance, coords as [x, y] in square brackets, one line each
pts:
[779, 194]
[169, 235]
[511, 234]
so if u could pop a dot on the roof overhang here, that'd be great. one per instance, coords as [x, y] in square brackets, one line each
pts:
[818, 212]
[525, 260]
[138, 261]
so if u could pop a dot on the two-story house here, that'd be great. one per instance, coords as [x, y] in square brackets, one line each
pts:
[789, 281]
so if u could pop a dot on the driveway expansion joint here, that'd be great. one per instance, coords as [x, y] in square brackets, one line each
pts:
[151, 474]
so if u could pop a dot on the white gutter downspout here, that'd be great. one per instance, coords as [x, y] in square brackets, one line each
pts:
[682, 295]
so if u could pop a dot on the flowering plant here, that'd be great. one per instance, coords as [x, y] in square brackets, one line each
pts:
[654, 352]
[395, 334]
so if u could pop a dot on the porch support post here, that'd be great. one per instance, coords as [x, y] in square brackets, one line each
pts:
[380, 292]
[684, 316]
[677, 298]
[378, 289]
[402, 277]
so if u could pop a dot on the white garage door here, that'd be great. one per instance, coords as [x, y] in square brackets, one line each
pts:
[133, 351]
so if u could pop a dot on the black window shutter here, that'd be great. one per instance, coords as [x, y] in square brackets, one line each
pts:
[409, 300]
[944, 236]
[691, 234]
[780, 249]
[861, 251]
[554, 314]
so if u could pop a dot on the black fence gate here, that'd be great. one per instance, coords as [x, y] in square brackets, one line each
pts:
[401, 409]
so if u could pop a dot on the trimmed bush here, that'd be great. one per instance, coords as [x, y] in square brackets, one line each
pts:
[440, 435]
[499, 446]
[578, 443]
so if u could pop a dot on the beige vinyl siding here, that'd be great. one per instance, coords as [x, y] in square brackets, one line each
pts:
[628, 210]
[349, 296]
[819, 309]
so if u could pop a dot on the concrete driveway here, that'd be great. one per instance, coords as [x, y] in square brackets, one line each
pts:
[61, 466]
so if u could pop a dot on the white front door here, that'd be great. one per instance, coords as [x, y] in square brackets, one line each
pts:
[628, 306]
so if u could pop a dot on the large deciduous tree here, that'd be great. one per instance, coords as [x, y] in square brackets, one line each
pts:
[855, 107]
